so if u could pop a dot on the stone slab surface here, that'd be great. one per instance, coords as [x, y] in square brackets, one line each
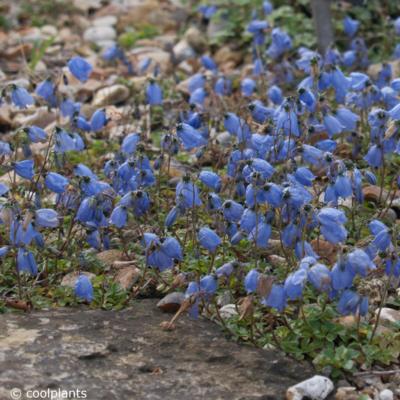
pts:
[126, 355]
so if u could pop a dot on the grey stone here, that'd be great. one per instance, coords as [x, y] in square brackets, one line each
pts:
[228, 311]
[108, 20]
[111, 95]
[126, 355]
[98, 34]
[224, 139]
[386, 394]
[183, 51]
[171, 302]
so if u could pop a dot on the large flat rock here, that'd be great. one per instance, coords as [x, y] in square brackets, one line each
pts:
[126, 355]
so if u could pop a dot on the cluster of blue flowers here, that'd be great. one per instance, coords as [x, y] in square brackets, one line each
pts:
[271, 188]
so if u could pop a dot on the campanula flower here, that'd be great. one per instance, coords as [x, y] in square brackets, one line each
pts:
[248, 220]
[382, 236]
[83, 170]
[5, 149]
[395, 112]
[4, 189]
[294, 284]
[260, 113]
[208, 63]
[347, 119]
[258, 68]
[80, 68]
[55, 182]
[172, 216]
[304, 176]
[275, 95]
[45, 90]
[374, 156]
[359, 262]
[119, 217]
[261, 234]
[340, 83]
[21, 97]
[281, 42]
[64, 142]
[113, 52]
[232, 211]
[350, 26]
[81, 123]
[267, 7]
[351, 302]
[69, 108]
[226, 269]
[4, 251]
[187, 194]
[214, 202]
[332, 125]
[396, 25]
[349, 58]
[189, 137]
[334, 233]
[129, 143]
[211, 180]
[342, 274]
[196, 81]
[83, 288]
[263, 167]
[223, 86]
[208, 285]
[87, 210]
[392, 267]
[198, 97]
[248, 87]
[26, 262]
[320, 277]
[24, 169]
[251, 281]
[47, 218]
[342, 186]
[207, 11]
[154, 95]
[277, 298]
[98, 121]
[36, 134]
[209, 239]
[161, 253]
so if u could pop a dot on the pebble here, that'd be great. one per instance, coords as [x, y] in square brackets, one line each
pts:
[386, 394]
[389, 316]
[316, 388]
[98, 34]
[183, 51]
[224, 139]
[157, 55]
[108, 20]
[111, 95]
[228, 311]
[195, 39]
[127, 277]
[108, 257]
[347, 393]
[171, 302]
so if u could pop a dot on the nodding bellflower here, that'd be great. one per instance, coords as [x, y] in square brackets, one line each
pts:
[211, 180]
[80, 68]
[83, 288]
[21, 97]
[209, 239]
